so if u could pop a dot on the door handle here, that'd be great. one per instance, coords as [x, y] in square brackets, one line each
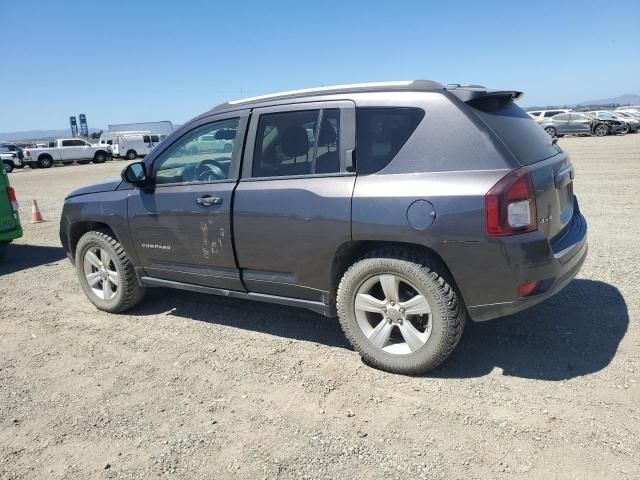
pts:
[208, 200]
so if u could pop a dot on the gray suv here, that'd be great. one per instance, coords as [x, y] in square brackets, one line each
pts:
[404, 208]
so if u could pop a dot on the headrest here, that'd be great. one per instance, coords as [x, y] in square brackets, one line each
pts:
[294, 141]
[328, 135]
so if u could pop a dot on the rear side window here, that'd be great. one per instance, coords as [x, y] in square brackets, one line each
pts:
[297, 143]
[528, 142]
[562, 116]
[381, 133]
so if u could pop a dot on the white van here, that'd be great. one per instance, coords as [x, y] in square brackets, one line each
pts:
[134, 144]
[106, 139]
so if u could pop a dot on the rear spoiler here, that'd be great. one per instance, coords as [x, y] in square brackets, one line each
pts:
[467, 93]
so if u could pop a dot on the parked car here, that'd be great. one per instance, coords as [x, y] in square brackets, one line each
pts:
[577, 123]
[634, 109]
[631, 123]
[10, 228]
[133, 144]
[403, 236]
[10, 161]
[7, 147]
[540, 115]
[67, 150]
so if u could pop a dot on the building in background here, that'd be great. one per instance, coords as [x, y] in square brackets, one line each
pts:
[159, 128]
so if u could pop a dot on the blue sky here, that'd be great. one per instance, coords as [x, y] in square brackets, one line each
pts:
[164, 60]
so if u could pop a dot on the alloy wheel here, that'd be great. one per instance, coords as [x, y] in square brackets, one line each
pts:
[393, 314]
[100, 273]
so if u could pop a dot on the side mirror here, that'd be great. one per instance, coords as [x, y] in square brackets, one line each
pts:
[135, 174]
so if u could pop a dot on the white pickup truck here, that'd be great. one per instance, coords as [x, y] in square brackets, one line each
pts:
[66, 150]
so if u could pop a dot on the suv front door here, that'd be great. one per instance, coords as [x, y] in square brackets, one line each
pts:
[292, 206]
[181, 226]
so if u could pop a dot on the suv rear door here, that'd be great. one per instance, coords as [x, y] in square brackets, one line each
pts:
[292, 207]
[550, 167]
[181, 227]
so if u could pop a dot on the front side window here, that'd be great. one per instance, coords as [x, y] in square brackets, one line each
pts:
[297, 143]
[381, 133]
[562, 117]
[194, 160]
[67, 143]
[146, 139]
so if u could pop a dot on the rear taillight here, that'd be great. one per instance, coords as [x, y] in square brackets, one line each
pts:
[510, 205]
[13, 199]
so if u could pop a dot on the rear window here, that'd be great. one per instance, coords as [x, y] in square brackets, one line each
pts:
[519, 132]
[381, 133]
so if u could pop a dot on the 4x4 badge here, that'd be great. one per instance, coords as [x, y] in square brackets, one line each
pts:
[546, 219]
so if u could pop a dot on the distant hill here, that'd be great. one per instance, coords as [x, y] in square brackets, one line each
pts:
[626, 99]
[38, 134]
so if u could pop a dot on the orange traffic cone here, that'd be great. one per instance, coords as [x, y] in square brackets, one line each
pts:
[36, 216]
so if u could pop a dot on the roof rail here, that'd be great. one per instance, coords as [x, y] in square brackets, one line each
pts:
[409, 85]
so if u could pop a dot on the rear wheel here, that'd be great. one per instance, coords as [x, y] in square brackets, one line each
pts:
[99, 157]
[132, 155]
[45, 162]
[401, 315]
[106, 274]
[551, 131]
[601, 130]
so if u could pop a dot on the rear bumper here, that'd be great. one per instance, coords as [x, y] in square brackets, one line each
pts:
[9, 235]
[480, 313]
[488, 273]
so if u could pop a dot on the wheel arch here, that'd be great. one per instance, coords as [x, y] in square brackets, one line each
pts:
[79, 228]
[45, 155]
[349, 253]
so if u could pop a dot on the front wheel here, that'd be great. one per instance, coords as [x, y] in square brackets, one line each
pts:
[99, 157]
[401, 315]
[601, 130]
[132, 155]
[106, 274]
[551, 131]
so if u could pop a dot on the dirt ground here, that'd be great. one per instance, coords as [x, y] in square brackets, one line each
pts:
[194, 386]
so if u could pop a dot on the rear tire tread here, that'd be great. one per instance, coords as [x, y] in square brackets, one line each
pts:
[450, 306]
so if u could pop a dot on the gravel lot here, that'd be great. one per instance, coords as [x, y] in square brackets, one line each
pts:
[195, 386]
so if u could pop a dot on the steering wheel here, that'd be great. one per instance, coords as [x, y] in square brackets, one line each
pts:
[209, 170]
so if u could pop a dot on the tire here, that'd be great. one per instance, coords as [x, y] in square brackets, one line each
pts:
[83, 162]
[8, 166]
[132, 155]
[625, 130]
[99, 157]
[442, 328]
[44, 161]
[128, 292]
[551, 131]
[601, 130]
